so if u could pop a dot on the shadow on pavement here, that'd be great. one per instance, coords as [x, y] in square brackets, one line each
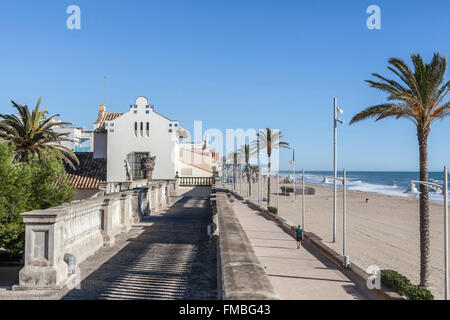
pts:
[171, 259]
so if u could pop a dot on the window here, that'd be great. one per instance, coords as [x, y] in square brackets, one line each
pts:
[135, 129]
[136, 164]
[142, 129]
[147, 128]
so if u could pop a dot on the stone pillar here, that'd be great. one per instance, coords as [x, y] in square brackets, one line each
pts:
[126, 213]
[160, 196]
[166, 189]
[148, 201]
[135, 205]
[107, 224]
[44, 250]
[154, 198]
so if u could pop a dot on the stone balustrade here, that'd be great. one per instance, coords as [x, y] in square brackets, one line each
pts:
[195, 181]
[74, 231]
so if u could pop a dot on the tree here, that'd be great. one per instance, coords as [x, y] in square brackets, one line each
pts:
[419, 98]
[245, 153]
[32, 135]
[270, 140]
[24, 187]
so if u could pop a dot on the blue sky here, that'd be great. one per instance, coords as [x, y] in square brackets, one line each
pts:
[232, 64]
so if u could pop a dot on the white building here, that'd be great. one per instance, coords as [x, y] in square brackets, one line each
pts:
[82, 140]
[197, 159]
[135, 134]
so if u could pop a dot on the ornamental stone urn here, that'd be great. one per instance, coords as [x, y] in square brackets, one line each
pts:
[147, 166]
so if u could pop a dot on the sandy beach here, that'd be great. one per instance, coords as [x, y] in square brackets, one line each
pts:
[382, 232]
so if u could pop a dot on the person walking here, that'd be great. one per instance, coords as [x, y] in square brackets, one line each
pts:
[299, 232]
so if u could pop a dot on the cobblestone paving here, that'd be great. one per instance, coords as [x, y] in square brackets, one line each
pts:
[171, 259]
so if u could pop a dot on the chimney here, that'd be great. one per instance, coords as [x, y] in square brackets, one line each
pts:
[101, 110]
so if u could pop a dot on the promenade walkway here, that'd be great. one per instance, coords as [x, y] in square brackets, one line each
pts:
[167, 256]
[295, 274]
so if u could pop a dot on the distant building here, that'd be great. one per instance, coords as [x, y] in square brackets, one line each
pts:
[135, 134]
[87, 176]
[132, 135]
[197, 159]
[82, 139]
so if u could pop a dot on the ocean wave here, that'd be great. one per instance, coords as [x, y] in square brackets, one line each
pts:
[357, 184]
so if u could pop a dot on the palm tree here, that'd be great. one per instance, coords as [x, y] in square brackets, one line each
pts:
[32, 135]
[270, 140]
[245, 152]
[419, 98]
[235, 162]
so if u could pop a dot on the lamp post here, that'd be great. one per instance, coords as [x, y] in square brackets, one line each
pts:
[412, 193]
[278, 193]
[293, 173]
[303, 199]
[259, 168]
[343, 180]
[241, 178]
[336, 112]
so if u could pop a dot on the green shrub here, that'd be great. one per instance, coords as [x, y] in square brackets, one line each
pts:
[272, 210]
[12, 238]
[403, 286]
[395, 281]
[418, 293]
[24, 187]
[287, 189]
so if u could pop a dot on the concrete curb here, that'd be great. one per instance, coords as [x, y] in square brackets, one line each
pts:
[240, 274]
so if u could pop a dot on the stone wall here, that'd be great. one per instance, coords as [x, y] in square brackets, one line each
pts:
[241, 275]
[68, 234]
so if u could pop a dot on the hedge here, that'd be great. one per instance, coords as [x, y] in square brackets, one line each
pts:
[403, 286]
[272, 210]
[287, 189]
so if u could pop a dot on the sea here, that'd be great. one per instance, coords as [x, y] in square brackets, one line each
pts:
[393, 183]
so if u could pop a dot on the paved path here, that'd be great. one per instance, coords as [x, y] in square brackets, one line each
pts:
[295, 274]
[171, 258]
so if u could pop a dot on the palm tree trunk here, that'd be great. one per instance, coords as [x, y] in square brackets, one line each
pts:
[268, 185]
[249, 181]
[424, 209]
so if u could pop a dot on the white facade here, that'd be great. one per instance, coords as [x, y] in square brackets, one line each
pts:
[137, 132]
[81, 139]
[197, 159]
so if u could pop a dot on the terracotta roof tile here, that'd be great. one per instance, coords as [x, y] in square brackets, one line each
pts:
[106, 116]
[88, 173]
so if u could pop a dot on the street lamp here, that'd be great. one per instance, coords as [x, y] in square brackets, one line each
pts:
[336, 111]
[344, 216]
[241, 173]
[278, 193]
[412, 194]
[303, 199]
